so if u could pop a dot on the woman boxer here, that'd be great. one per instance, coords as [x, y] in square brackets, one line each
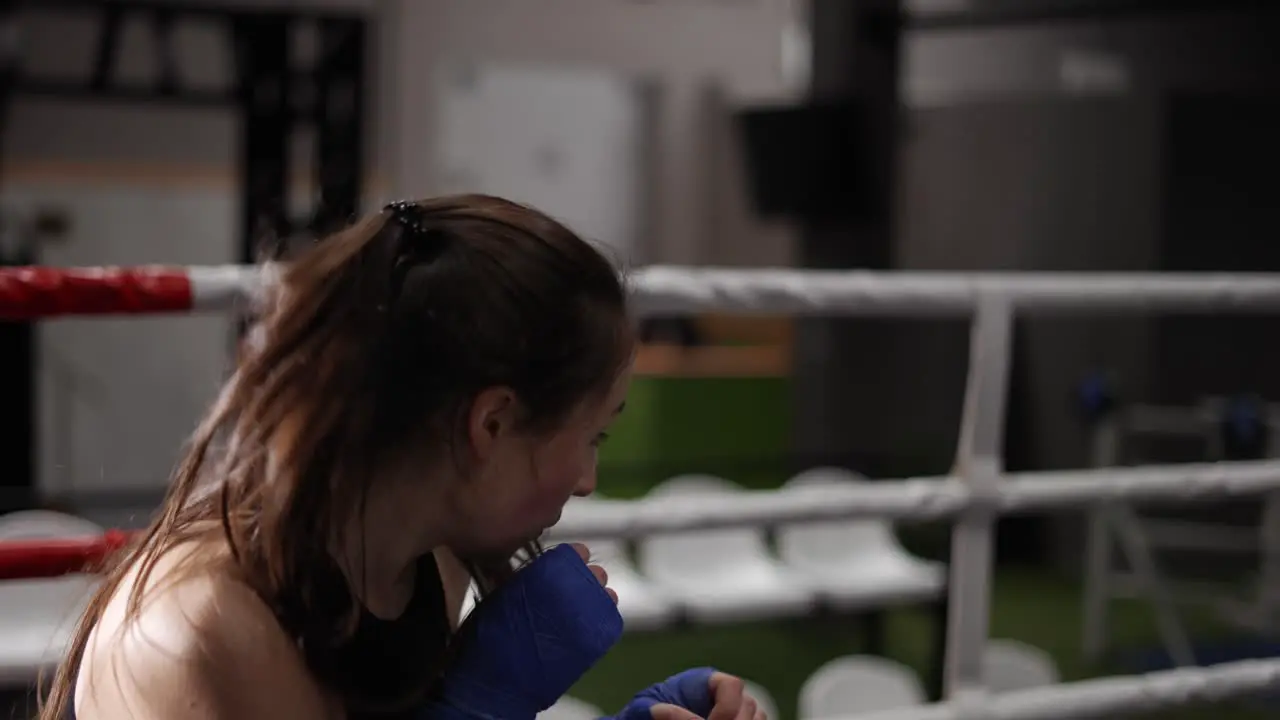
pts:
[427, 390]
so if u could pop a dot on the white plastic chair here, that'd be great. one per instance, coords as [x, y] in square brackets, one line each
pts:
[764, 699]
[858, 684]
[39, 615]
[569, 708]
[854, 564]
[45, 525]
[1009, 665]
[643, 605]
[719, 575]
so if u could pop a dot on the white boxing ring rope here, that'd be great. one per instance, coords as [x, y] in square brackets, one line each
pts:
[926, 498]
[976, 494]
[663, 290]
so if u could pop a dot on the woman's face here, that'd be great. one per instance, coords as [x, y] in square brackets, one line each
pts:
[521, 481]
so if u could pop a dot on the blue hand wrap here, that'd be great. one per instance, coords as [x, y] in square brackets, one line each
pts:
[530, 642]
[690, 690]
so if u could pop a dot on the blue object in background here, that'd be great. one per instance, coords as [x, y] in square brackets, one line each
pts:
[1245, 429]
[1096, 396]
[1157, 659]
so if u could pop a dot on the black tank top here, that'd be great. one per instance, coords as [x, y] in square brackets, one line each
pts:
[386, 663]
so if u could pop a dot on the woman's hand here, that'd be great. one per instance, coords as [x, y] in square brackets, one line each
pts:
[730, 701]
[585, 553]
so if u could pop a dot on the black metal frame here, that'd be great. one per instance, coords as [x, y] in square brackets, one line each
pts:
[17, 340]
[273, 99]
[340, 98]
[262, 51]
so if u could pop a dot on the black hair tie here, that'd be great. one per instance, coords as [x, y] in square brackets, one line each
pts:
[419, 243]
[409, 215]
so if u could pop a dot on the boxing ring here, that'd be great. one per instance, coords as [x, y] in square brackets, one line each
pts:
[973, 497]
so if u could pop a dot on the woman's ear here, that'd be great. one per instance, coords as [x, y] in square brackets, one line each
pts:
[493, 414]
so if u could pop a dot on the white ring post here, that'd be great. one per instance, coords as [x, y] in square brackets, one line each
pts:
[979, 461]
[1099, 549]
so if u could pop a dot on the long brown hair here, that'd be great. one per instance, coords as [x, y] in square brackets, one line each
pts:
[369, 346]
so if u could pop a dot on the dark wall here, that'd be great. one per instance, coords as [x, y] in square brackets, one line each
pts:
[1013, 157]
[1048, 184]
[1005, 162]
[1220, 158]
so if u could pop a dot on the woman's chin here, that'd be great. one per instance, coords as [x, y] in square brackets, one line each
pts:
[493, 550]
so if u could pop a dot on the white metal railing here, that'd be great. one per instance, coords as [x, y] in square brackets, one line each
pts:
[992, 299]
[660, 290]
[980, 490]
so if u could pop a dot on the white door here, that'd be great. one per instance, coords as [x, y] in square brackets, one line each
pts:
[570, 142]
[118, 396]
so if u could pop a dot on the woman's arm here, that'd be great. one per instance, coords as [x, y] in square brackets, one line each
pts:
[204, 649]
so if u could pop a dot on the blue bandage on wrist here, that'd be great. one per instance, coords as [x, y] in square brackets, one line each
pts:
[530, 642]
[690, 690]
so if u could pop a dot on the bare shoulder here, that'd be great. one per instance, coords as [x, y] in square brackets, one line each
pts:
[203, 646]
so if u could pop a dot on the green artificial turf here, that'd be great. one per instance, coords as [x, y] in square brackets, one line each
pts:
[739, 428]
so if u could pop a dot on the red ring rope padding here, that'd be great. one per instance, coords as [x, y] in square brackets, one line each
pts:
[30, 559]
[27, 293]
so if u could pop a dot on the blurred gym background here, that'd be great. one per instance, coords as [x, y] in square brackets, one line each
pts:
[1090, 135]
